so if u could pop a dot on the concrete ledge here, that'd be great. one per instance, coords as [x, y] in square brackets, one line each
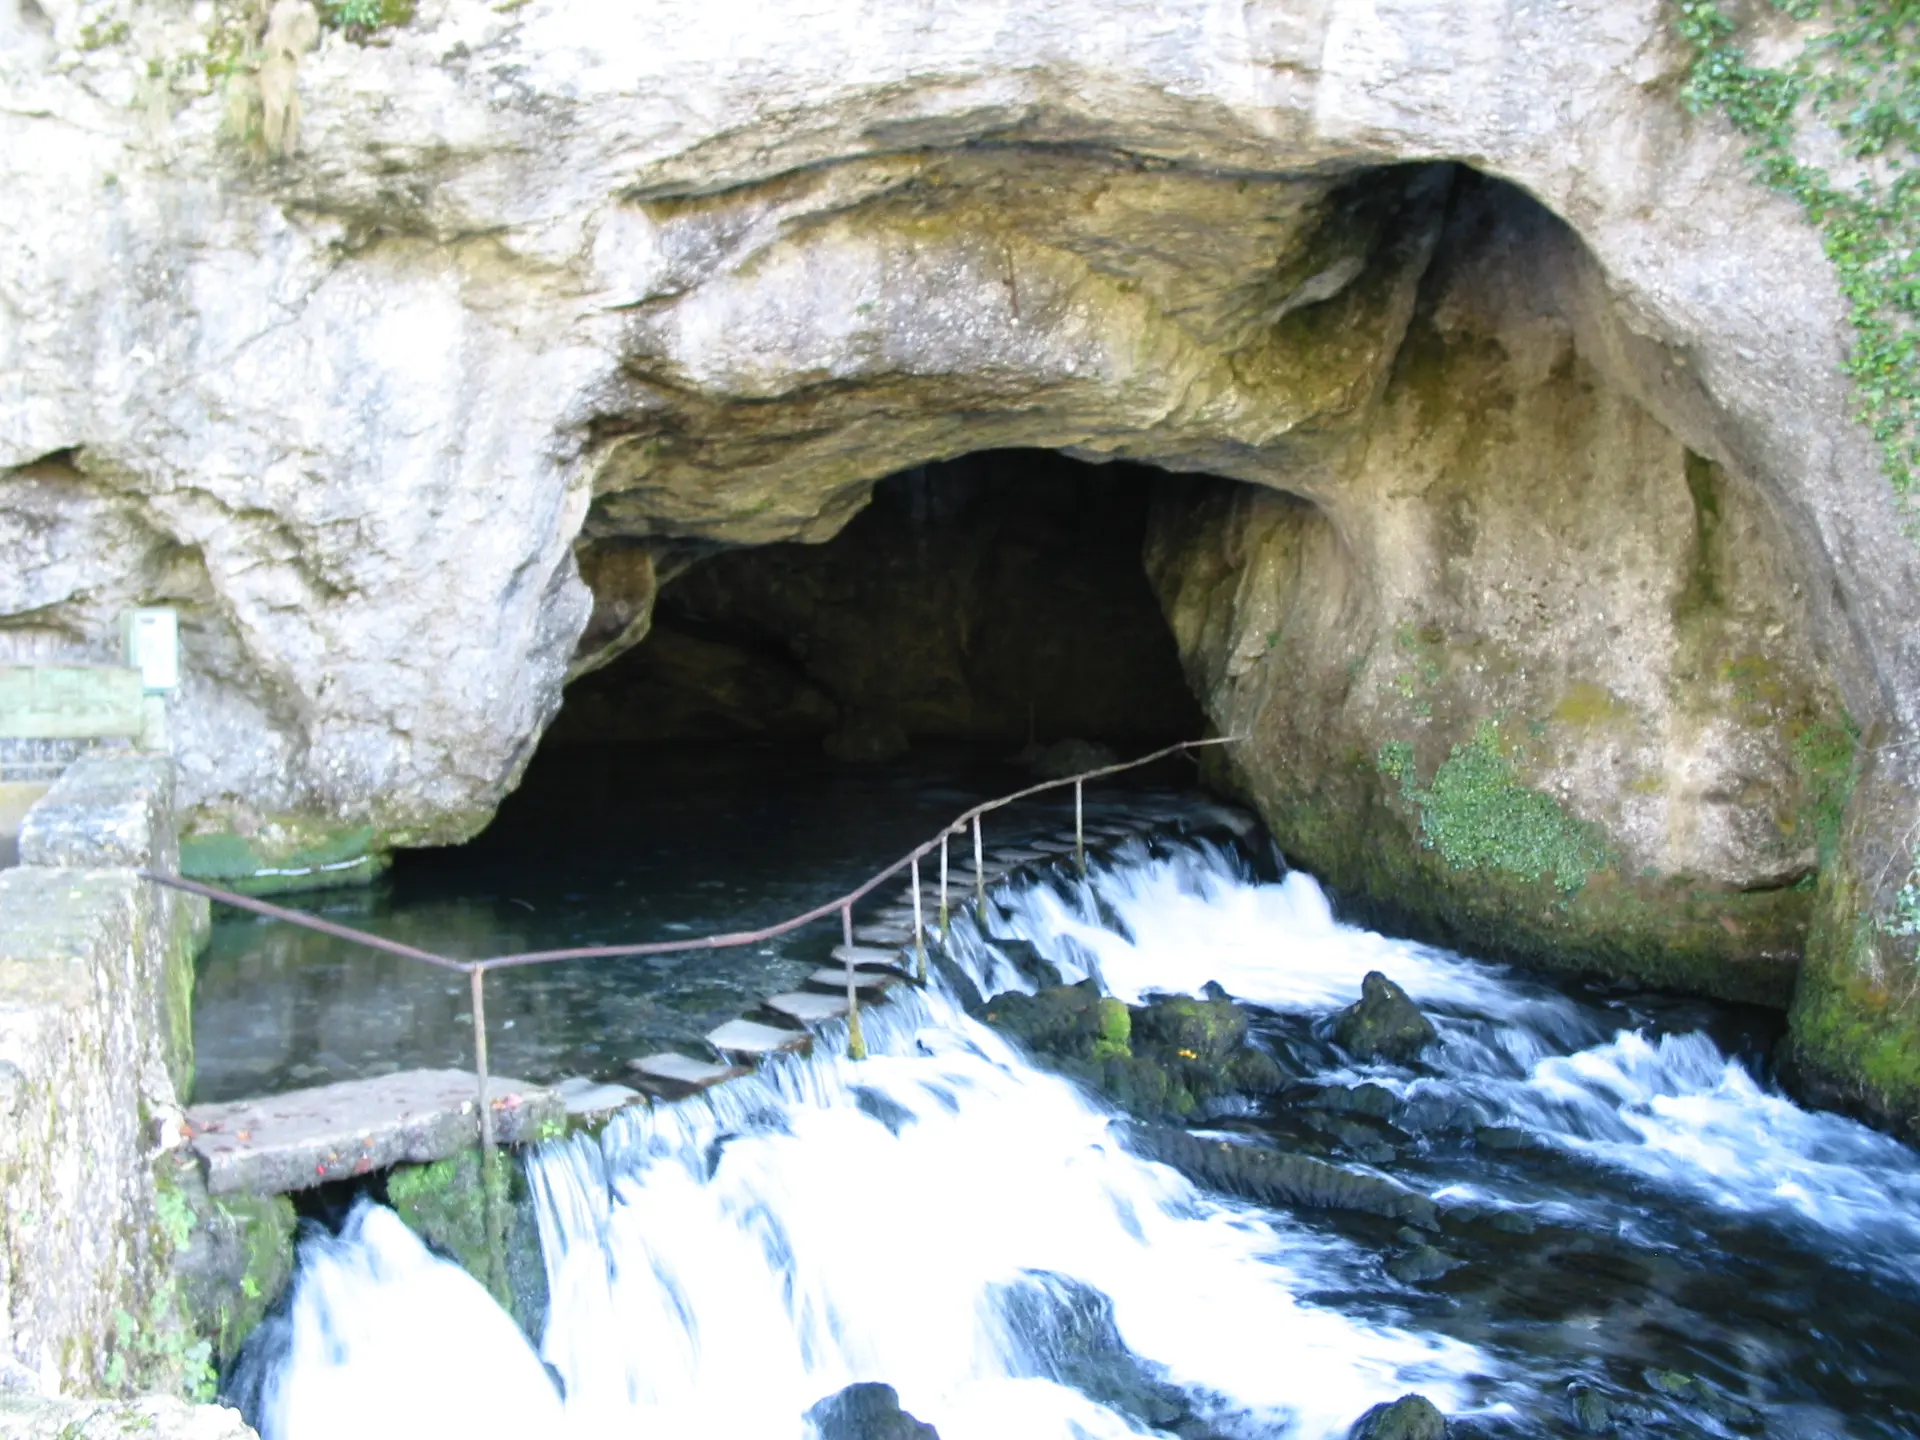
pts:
[74, 1185]
[96, 976]
[105, 811]
[281, 1143]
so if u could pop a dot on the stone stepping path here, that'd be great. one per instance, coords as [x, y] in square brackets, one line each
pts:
[868, 957]
[592, 1099]
[752, 1039]
[672, 1076]
[303, 1138]
[865, 982]
[808, 1007]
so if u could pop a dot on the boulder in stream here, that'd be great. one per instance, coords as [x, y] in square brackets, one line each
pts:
[867, 1411]
[1383, 1022]
[1168, 1057]
[1411, 1417]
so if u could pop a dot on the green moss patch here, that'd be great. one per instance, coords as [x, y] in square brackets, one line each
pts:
[1479, 816]
[307, 857]
[230, 1258]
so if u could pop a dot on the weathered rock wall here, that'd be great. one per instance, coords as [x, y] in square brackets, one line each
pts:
[1524, 669]
[543, 284]
[96, 975]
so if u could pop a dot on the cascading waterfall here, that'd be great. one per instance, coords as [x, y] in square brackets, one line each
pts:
[1671, 1109]
[941, 1215]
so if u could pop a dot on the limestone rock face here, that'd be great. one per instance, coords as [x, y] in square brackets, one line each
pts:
[1558, 661]
[363, 356]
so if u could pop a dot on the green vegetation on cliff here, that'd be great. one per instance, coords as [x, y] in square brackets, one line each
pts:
[1859, 80]
[1478, 815]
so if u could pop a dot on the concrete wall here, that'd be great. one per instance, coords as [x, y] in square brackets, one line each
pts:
[96, 1049]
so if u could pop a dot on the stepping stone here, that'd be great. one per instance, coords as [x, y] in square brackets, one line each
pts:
[865, 982]
[673, 1076]
[584, 1096]
[1020, 857]
[280, 1143]
[867, 956]
[750, 1037]
[807, 1007]
[884, 934]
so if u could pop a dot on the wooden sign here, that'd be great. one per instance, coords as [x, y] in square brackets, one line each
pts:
[69, 702]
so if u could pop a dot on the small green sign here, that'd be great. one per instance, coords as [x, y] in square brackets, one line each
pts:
[69, 702]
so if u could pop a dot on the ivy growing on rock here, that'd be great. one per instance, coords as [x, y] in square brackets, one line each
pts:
[1859, 79]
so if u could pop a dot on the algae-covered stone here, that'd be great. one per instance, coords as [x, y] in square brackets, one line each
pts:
[484, 1224]
[1411, 1417]
[1163, 1058]
[232, 1254]
[1383, 1022]
[290, 854]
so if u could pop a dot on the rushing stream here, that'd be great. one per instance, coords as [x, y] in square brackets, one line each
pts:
[1639, 1236]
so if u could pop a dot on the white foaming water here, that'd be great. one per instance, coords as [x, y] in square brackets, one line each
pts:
[1190, 916]
[723, 1264]
[1675, 1111]
[403, 1343]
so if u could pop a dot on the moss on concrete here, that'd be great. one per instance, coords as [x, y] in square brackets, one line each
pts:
[290, 854]
[230, 1256]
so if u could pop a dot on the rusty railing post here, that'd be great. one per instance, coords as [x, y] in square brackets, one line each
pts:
[496, 1277]
[856, 1042]
[477, 998]
[945, 923]
[979, 875]
[919, 929]
[1080, 825]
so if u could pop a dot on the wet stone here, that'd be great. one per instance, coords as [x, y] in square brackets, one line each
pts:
[1384, 1022]
[672, 1075]
[807, 1007]
[1411, 1417]
[750, 1037]
[281, 1143]
[867, 1411]
[867, 956]
[1422, 1263]
[586, 1097]
[865, 982]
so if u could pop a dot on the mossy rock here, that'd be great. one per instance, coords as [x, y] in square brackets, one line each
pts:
[1164, 1058]
[232, 1255]
[1411, 1417]
[1384, 1022]
[485, 1226]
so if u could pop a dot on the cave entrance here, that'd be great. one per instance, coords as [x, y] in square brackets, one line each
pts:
[997, 600]
[981, 622]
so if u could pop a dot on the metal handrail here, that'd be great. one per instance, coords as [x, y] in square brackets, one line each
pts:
[476, 970]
